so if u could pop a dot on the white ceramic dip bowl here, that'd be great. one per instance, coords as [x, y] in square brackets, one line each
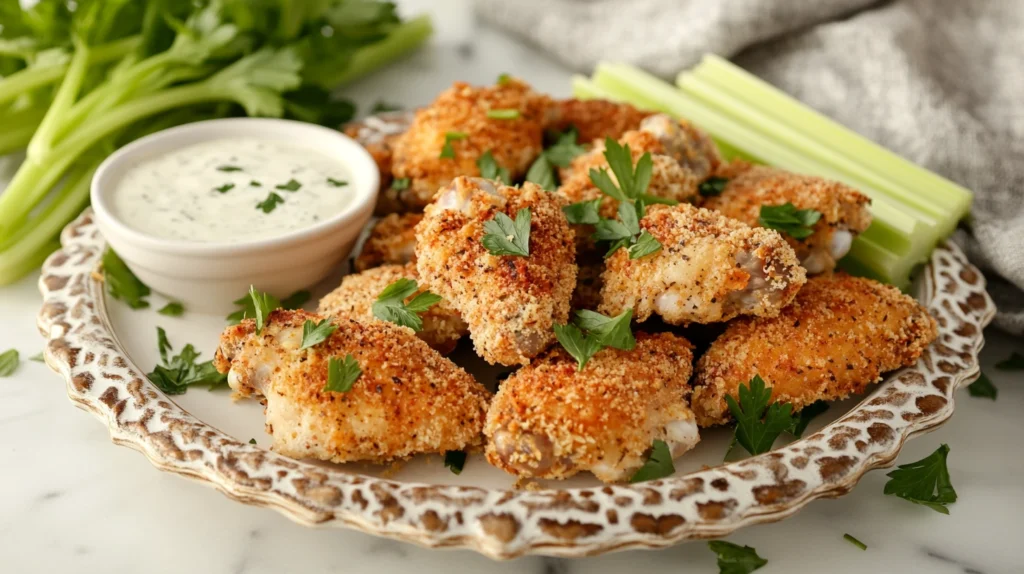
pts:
[208, 276]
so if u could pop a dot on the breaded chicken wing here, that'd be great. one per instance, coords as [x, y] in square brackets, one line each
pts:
[509, 302]
[838, 336]
[377, 134]
[354, 298]
[459, 118]
[710, 269]
[549, 420]
[844, 210]
[407, 400]
[392, 240]
[594, 119]
[684, 142]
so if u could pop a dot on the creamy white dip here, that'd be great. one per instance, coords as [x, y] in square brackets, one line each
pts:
[217, 191]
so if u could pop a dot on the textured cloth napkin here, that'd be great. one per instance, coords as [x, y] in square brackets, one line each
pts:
[940, 82]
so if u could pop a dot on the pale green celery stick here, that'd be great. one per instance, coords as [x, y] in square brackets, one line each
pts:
[892, 226]
[65, 97]
[18, 127]
[829, 133]
[868, 258]
[403, 39]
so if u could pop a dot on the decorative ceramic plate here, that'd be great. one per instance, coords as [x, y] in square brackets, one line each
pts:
[103, 350]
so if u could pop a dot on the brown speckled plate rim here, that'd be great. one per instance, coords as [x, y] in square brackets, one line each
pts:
[704, 504]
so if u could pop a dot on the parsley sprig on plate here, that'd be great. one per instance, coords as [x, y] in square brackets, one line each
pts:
[9, 361]
[559, 154]
[735, 559]
[391, 304]
[455, 461]
[983, 388]
[121, 283]
[757, 423]
[589, 332]
[786, 218]
[489, 169]
[505, 236]
[658, 464]
[342, 374]
[248, 307]
[924, 482]
[176, 374]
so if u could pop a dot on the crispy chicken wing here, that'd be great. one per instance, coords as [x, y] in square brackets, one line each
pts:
[684, 142]
[459, 119]
[509, 302]
[354, 298]
[710, 269]
[844, 210]
[839, 335]
[392, 240]
[549, 420]
[408, 399]
[595, 119]
[377, 134]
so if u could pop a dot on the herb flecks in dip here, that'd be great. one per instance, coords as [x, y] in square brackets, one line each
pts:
[205, 192]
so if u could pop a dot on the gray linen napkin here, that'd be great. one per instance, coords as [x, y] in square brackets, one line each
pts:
[940, 82]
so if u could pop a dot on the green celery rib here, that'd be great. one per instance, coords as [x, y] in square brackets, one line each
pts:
[904, 176]
[65, 97]
[405, 38]
[870, 259]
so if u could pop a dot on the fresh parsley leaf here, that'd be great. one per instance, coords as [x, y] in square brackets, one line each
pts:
[455, 461]
[757, 423]
[9, 362]
[225, 188]
[849, 538]
[296, 300]
[316, 333]
[270, 203]
[805, 416]
[254, 183]
[583, 212]
[542, 173]
[1014, 363]
[447, 151]
[645, 245]
[341, 374]
[632, 197]
[503, 79]
[603, 181]
[262, 305]
[38, 358]
[121, 283]
[632, 183]
[712, 186]
[503, 114]
[399, 184]
[503, 236]
[181, 371]
[229, 168]
[983, 388]
[924, 482]
[786, 218]
[609, 331]
[580, 346]
[658, 464]
[292, 185]
[293, 301]
[380, 106]
[489, 169]
[336, 182]
[565, 149]
[735, 559]
[391, 305]
[252, 441]
[172, 309]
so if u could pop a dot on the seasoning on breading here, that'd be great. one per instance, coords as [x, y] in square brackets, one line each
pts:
[594, 119]
[391, 240]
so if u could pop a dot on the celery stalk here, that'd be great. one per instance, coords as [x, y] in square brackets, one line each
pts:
[65, 97]
[405, 38]
[584, 89]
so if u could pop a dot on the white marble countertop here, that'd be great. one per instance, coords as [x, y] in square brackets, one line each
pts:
[70, 501]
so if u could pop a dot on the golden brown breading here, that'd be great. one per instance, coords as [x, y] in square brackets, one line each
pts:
[509, 302]
[354, 298]
[844, 210]
[595, 119]
[549, 420]
[514, 143]
[839, 335]
[408, 399]
[684, 142]
[377, 134]
[710, 269]
[392, 240]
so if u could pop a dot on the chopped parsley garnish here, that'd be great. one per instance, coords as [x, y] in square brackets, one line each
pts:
[589, 332]
[9, 362]
[626, 232]
[503, 114]
[735, 559]
[316, 333]
[121, 283]
[255, 183]
[380, 106]
[173, 376]
[225, 188]
[270, 203]
[399, 184]
[757, 423]
[850, 538]
[658, 464]
[924, 482]
[252, 441]
[645, 245]
[503, 236]
[262, 305]
[341, 374]
[336, 182]
[712, 186]
[583, 212]
[489, 169]
[1014, 363]
[292, 185]
[229, 168]
[447, 151]
[542, 173]
[503, 79]
[38, 358]
[248, 308]
[172, 309]
[561, 153]
[455, 461]
[786, 218]
[983, 388]
[806, 414]
[391, 305]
